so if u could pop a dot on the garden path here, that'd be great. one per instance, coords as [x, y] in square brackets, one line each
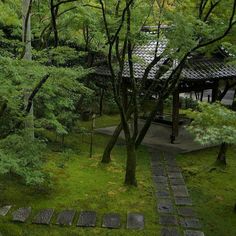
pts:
[174, 204]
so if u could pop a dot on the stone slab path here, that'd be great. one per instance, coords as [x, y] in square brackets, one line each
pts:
[174, 205]
[134, 221]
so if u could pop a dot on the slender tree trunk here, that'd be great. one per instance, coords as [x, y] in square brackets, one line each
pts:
[222, 154]
[146, 126]
[26, 38]
[130, 176]
[54, 11]
[106, 158]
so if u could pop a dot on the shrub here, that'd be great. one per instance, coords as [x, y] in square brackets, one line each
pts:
[23, 157]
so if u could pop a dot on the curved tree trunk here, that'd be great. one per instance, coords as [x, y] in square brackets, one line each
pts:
[106, 158]
[147, 124]
[222, 154]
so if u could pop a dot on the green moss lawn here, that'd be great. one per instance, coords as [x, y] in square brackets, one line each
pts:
[213, 190]
[81, 183]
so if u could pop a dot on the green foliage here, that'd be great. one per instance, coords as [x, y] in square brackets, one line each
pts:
[83, 183]
[21, 156]
[213, 124]
[212, 187]
[53, 104]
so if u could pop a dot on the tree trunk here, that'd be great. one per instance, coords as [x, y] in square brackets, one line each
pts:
[106, 158]
[26, 38]
[146, 126]
[222, 154]
[101, 101]
[130, 176]
[54, 11]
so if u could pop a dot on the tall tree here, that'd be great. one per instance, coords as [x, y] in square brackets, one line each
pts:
[200, 32]
[27, 55]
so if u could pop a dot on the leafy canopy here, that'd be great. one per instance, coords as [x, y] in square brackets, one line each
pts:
[213, 124]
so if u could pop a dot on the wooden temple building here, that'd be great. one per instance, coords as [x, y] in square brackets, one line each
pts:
[199, 74]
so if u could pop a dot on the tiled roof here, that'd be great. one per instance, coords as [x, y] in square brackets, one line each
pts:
[204, 69]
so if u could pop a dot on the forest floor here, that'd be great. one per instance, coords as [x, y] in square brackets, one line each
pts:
[213, 189]
[82, 183]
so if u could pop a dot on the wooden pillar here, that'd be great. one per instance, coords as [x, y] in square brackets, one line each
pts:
[175, 116]
[214, 95]
[160, 108]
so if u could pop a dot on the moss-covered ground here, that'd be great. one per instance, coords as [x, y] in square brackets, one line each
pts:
[213, 190]
[82, 183]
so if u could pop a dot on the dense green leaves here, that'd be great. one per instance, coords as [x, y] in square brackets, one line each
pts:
[213, 124]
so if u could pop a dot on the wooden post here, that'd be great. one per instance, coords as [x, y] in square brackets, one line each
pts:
[215, 89]
[91, 135]
[175, 116]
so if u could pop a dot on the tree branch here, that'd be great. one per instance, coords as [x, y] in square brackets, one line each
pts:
[35, 91]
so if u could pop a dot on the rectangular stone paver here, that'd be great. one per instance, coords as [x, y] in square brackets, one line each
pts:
[168, 220]
[183, 201]
[180, 191]
[112, 221]
[192, 223]
[21, 215]
[163, 193]
[87, 219]
[135, 221]
[4, 210]
[193, 233]
[173, 169]
[175, 175]
[165, 206]
[179, 181]
[186, 212]
[66, 217]
[169, 231]
[160, 179]
[44, 217]
[158, 172]
[172, 163]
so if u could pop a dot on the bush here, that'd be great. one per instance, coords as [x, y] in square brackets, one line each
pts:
[21, 156]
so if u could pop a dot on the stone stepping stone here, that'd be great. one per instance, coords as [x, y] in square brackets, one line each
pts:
[193, 233]
[180, 191]
[112, 221]
[163, 193]
[168, 220]
[4, 210]
[44, 217]
[175, 175]
[163, 186]
[190, 223]
[66, 217]
[165, 206]
[177, 182]
[157, 165]
[160, 179]
[21, 215]
[186, 212]
[173, 169]
[87, 219]
[171, 163]
[169, 232]
[183, 201]
[159, 172]
[135, 221]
